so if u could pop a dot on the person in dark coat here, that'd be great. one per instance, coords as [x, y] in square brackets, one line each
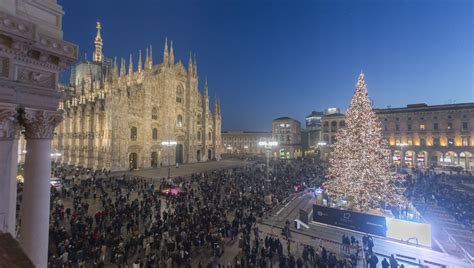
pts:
[373, 261]
[393, 262]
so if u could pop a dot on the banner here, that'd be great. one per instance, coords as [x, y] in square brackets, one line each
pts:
[366, 223]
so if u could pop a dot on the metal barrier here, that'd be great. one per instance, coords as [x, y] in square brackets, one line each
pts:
[465, 254]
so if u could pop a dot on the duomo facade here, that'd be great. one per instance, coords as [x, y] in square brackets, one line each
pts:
[117, 118]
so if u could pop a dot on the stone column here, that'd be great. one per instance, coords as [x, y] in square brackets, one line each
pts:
[8, 167]
[39, 127]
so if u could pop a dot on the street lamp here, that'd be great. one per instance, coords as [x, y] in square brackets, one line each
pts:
[267, 144]
[169, 144]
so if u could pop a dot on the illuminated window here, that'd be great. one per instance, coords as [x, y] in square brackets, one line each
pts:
[179, 121]
[154, 134]
[133, 133]
[410, 141]
[422, 126]
[465, 141]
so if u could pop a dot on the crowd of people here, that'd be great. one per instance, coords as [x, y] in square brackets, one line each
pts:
[98, 219]
[444, 190]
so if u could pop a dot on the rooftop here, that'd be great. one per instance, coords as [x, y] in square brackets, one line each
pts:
[423, 107]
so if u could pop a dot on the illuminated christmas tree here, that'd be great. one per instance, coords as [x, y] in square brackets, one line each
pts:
[359, 164]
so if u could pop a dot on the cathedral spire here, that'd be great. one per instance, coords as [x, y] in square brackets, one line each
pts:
[122, 67]
[130, 65]
[147, 58]
[195, 66]
[206, 89]
[190, 64]
[98, 44]
[115, 68]
[165, 53]
[171, 54]
[215, 105]
[151, 57]
[139, 60]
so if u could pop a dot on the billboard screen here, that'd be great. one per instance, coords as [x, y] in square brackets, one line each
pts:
[366, 223]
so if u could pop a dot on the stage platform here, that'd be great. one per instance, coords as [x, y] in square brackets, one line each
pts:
[406, 253]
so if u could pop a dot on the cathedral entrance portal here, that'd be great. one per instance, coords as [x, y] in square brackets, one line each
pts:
[209, 154]
[154, 159]
[132, 159]
[198, 155]
[179, 153]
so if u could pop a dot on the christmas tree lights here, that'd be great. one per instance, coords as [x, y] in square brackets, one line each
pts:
[359, 164]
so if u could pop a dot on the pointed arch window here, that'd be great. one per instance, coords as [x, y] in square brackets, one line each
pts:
[154, 113]
[154, 134]
[179, 94]
[133, 133]
[198, 119]
[179, 121]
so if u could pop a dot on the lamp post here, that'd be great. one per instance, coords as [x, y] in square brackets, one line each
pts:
[169, 144]
[267, 144]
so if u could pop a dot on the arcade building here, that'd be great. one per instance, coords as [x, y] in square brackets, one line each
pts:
[430, 135]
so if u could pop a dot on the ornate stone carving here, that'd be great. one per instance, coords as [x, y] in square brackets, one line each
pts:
[8, 122]
[40, 124]
[35, 77]
[4, 67]
[16, 26]
[58, 47]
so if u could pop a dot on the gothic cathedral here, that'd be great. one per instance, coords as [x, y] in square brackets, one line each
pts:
[117, 119]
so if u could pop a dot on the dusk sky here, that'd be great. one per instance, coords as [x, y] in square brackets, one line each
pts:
[266, 59]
